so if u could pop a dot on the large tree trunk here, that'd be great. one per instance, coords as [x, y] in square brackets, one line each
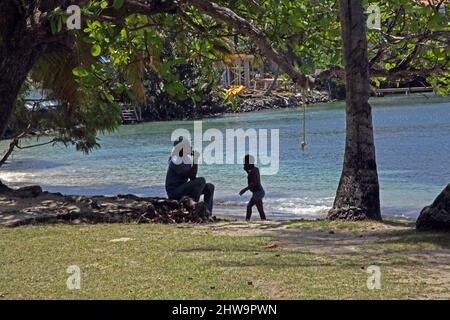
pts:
[21, 34]
[14, 67]
[357, 196]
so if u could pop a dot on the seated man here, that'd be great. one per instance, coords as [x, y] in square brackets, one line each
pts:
[183, 168]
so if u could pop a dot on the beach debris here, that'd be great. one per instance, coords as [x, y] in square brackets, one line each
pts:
[51, 208]
[271, 246]
[437, 216]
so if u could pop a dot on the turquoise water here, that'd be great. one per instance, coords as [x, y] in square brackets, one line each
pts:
[413, 148]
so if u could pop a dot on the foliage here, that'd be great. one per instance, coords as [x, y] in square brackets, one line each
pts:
[62, 123]
[171, 58]
[413, 42]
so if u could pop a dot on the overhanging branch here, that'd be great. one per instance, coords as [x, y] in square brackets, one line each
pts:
[244, 27]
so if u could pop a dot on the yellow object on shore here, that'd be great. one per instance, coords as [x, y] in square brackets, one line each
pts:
[234, 90]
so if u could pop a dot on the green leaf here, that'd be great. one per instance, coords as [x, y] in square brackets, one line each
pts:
[210, 55]
[80, 72]
[118, 4]
[59, 27]
[53, 25]
[104, 4]
[377, 83]
[96, 50]
[109, 97]
[389, 66]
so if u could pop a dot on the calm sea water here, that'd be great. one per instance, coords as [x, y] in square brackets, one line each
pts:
[413, 149]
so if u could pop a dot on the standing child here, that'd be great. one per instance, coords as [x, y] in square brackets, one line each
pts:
[254, 185]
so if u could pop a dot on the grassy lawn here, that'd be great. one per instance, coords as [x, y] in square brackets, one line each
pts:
[197, 262]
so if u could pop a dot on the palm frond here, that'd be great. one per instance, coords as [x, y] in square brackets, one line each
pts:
[53, 72]
[134, 74]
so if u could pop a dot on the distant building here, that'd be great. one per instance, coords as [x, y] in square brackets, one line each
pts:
[237, 69]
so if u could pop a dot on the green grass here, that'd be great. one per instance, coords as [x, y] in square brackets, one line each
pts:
[169, 262]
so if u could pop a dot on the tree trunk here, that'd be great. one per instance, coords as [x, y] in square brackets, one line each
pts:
[20, 46]
[17, 57]
[14, 67]
[8, 94]
[357, 196]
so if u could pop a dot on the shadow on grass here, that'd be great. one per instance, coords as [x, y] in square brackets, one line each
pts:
[414, 237]
[249, 225]
[221, 248]
[296, 260]
[239, 257]
[328, 244]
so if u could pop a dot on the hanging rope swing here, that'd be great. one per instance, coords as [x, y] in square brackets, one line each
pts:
[304, 142]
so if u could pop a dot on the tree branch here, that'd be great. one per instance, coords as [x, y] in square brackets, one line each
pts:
[14, 143]
[255, 34]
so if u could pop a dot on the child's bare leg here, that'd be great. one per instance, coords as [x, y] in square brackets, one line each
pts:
[259, 206]
[249, 210]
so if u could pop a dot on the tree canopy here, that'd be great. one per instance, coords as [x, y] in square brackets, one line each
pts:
[91, 69]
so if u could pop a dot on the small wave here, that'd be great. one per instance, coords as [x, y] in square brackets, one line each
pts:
[16, 177]
[224, 203]
[288, 207]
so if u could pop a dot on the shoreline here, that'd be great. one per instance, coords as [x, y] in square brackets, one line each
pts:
[250, 104]
[255, 106]
[256, 103]
[32, 206]
[244, 103]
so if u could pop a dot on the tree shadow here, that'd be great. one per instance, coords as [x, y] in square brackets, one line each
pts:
[437, 238]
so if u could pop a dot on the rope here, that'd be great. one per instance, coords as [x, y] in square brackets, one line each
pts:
[304, 143]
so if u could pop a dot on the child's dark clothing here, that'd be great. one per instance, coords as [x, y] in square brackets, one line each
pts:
[254, 185]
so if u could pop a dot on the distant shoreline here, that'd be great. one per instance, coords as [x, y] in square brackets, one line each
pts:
[248, 104]
[257, 103]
